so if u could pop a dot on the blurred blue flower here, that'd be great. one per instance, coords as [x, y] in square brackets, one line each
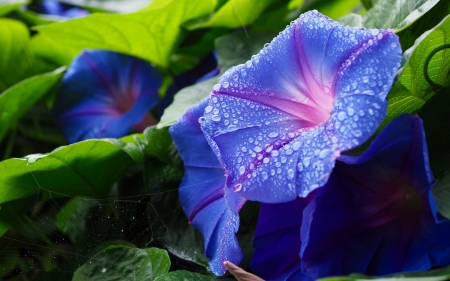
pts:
[375, 215]
[278, 122]
[105, 94]
[209, 206]
[55, 8]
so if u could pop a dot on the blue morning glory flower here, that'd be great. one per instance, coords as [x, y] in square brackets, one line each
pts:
[375, 216]
[209, 206]
[278, 122]
[105, 94]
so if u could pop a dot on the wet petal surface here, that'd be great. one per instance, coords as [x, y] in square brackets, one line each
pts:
[209, 206]
[278, 122]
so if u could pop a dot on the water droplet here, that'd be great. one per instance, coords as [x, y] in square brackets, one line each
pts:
[306, 161]
[289, 151]
[296, 146]
[266, 160]
[350, 111]
[376, 105]
[237, 187]
[208, 109]
[236, 77]
[243, 72]
[269, 148]
[257, 149]
[248, 64]
[394, 45]
[216, 118]
[217, 87]
[341, 116]
[201, 119]
[300, 167]
[273, 134]
[326, 90]
[274, 153]
[365, 79]
[244, 149]
[241, 170]
[324, 153]
[290, 173]
[264, 176]
[357, 133]
[374, 32]
[226, 84]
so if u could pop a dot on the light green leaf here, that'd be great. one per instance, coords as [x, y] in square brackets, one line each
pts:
[411, 90]
[396, 14]
[50, 50]
[124, 263]
[15, 55]
[235, 14]
[117, 6]
[333, 9]
[150, 34]
[232, 50]
[7, 6]
[185, 276]
[18, 99]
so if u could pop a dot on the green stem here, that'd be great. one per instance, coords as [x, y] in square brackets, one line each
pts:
[10, 144]
[44, 237]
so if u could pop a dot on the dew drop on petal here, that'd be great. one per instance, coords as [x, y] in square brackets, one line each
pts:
[273, 134]
[208, 109]
[290, 173]
[217, 87]
[306, 161]
[274, 153]
[241, 170]
[237, 187]
[296, 146]
[257, 149]
[324, 153]
[216, 118]
[226, 84]
[264, 175]
[341, 116]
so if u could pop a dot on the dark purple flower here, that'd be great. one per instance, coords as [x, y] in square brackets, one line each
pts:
[278, 122]
[209, 206]
[105, 94]
[375, 215]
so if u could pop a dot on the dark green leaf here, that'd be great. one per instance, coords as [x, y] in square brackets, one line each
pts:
[442, 274]
[185, 276]
[18, 99]
[11, 211]
[396, 14]
[411, 90]
[124, 263]
[160, 145]
[441, 192]
[150, 34]
[436, 121]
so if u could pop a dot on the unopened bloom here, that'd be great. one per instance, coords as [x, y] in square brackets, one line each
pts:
[278, 122]
[375, 215]
[209, 206]
[105, 94]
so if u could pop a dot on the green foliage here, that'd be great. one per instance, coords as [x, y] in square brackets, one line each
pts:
[411, 90]
[117, 6]
[441, 192]
[396, 14]
[18, 99]
[150, 34]
[124, 263]
[235, 14]
[185, 276]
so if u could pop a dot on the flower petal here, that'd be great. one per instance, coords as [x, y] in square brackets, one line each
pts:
[208, 205]
[277, 240]
[103, 94]
[373, 216]
[318, 85]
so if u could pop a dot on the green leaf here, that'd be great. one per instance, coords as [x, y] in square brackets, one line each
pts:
[333, 9]
[18, 99]
[235, 14]
[150, 34]
[232, 50]
[432, 275]
[15, 55]
[117, 6]
[411, 90]
[11, 211]
[353, 20]
[396, 14]
[158, 143]
[185, 276]
[50, 50]
[436, 121]
[441, 192]
[124, 263]
[8, 6]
